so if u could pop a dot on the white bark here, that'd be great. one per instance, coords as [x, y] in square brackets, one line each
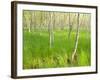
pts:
[77, 38]
[51, 36]
[70, 26]
[30, 24]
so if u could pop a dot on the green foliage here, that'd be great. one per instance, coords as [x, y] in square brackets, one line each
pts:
[37, 54]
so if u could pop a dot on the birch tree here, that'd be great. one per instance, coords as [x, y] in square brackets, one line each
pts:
[76, 40]
[70, 25]
[51, 36]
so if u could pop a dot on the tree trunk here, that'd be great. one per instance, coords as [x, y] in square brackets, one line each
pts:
[51, 36]
[30, 24]
[70, 26]
[77, 38]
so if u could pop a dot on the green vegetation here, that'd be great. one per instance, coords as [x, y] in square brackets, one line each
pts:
[38, 54]
[54, 39]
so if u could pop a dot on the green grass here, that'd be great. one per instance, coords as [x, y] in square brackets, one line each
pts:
[38, 54]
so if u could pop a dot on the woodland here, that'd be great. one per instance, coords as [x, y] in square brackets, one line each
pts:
[54, 39]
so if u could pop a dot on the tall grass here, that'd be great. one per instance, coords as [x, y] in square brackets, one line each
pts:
[38, 54]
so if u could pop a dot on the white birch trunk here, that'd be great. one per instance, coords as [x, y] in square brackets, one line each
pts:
[77, 38]
[51, 36]
[30, 24]
[70, 26]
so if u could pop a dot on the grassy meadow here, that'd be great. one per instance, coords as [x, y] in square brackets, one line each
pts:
[38, 54]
